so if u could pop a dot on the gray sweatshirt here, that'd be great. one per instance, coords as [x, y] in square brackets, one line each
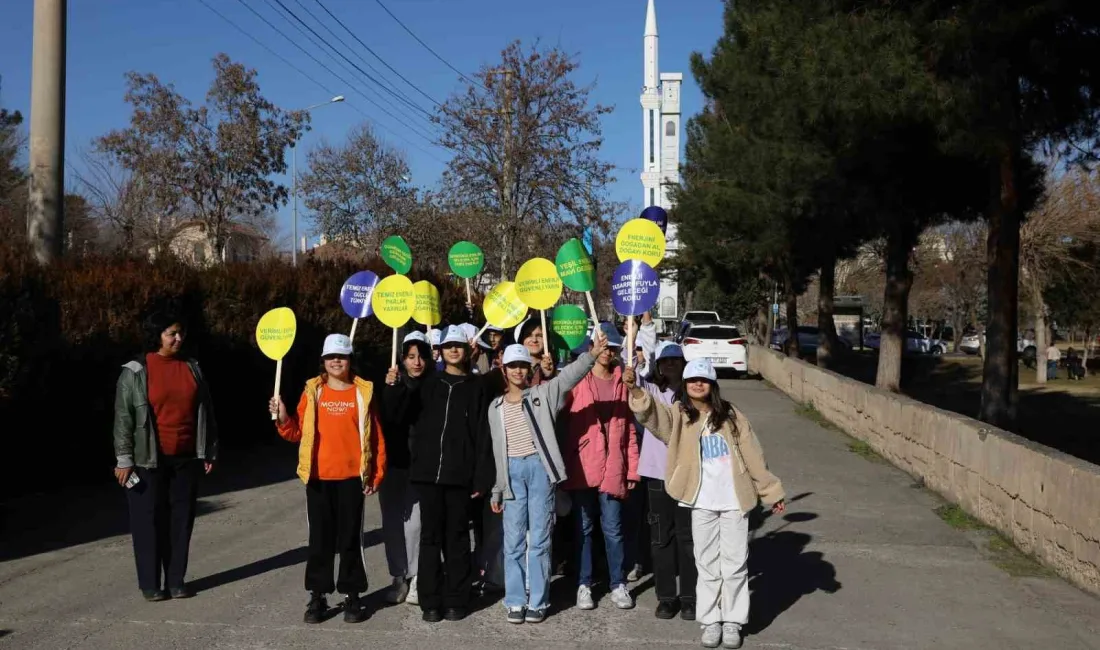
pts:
[541, 404]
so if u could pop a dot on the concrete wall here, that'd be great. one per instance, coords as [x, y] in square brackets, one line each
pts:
[1047, 502]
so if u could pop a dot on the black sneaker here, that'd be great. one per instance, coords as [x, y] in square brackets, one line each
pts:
[687, 611]
[454, 614]
[181, 592]
[666, 609]
[515, 615]
[353, 609]
[431, 615]
[154, 595]
[315, 610]
[535, 615]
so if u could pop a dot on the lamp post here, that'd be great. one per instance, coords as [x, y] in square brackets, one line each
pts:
[294, 179]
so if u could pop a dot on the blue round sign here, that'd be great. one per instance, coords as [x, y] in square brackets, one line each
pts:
[356, 292]
[657, 215]
[634, 288]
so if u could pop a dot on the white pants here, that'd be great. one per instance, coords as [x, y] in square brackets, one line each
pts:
[721, 556]
[400, 523]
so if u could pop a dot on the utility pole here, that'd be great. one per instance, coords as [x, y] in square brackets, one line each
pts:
[45, 205]
[507, 218]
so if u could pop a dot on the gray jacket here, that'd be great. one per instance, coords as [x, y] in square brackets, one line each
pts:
[541, 404]
[135, 427]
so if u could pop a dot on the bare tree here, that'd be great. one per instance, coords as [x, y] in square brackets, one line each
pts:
[214, 161]
[359, 192]
[526, 142]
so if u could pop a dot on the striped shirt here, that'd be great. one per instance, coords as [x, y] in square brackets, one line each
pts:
[517, 431]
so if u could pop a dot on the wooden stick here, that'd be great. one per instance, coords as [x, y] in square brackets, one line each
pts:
[393, 355]
[354, 324]
[278, 382]
[592, 307]
[545, 334]
[629, 342]
[481, 331]
[469, 300]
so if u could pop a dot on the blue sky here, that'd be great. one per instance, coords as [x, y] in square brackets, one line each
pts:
[175, 39]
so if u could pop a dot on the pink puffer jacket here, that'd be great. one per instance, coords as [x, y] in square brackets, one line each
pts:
[593, 459]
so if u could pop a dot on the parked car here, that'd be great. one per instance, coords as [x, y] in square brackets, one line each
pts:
[696, 317]
[971, 343]
[720, 344]
[915, 343]
[808, 338]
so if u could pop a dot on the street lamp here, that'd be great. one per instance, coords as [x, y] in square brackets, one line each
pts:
[294, 179]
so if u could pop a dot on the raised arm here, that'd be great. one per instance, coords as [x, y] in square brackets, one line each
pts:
[652, 414]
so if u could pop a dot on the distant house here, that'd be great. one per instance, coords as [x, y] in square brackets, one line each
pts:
[190, 243]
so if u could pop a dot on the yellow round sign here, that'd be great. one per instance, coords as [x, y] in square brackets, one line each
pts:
[502, 306]
[538, 284]
[426, 309]
[275, 332]
[640, 239]
[393, 300]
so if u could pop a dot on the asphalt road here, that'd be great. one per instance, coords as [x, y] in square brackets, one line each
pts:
[859, 562]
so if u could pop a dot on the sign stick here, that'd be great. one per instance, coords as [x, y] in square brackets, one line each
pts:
[469, 300]
[481, 331]
[354, 324]
[393, 354]
[278, 382]
[629, 342]
[545, 334]
[591, 307]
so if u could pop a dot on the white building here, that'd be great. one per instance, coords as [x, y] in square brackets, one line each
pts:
[661, 148]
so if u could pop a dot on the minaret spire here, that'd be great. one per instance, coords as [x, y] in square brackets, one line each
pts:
[650, 39]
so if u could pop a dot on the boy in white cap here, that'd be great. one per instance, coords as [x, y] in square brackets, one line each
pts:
[529, 465]
[341, 457]
[717, 468]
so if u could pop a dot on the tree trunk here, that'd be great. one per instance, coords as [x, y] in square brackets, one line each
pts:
[792, 347]
[1085, 355]
[895, 307]
[956, 328]
[766, 317]
[827, 345]
[1040, 334]
[1000, 376]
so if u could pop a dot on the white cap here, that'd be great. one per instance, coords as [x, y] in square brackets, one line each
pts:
[435, 335]
[454, 334]
[493, 328]
[668, 350]
[469, 329]
[700, 369]
[517, 352]
[415, 336]
[337, 344]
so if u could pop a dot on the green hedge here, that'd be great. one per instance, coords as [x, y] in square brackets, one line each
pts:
[65, 331]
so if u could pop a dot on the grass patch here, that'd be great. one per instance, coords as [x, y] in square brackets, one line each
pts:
[1013, 561]
[865, 451]
[856, 446]
[958, 518]
[810, 412]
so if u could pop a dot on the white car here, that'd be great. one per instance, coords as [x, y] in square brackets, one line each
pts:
[971, 343]
[720, 344]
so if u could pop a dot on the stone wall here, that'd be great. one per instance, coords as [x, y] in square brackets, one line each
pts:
[1047, 502]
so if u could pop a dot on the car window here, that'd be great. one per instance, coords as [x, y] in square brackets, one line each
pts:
[700, 317]
[713, 332]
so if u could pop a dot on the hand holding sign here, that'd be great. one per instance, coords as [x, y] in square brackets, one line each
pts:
[393, 301]
[539, 287]
[275, 335]
[466, 261]
[355, 297]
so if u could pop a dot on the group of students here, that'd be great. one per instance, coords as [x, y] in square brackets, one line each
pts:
[448, 432]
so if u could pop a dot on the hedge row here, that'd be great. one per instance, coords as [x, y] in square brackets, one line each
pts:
[66, 329]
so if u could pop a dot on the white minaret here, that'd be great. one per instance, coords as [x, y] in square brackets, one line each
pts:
[660, 149]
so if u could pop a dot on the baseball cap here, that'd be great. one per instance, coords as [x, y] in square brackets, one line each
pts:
[614, 339]
[517, 353]
[454, 334]
[668, 350]
[337, 344]
[700, 369]
[469, 329]
[435, 335]
[415, 336]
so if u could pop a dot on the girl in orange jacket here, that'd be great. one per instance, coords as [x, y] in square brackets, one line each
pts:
[341, 458]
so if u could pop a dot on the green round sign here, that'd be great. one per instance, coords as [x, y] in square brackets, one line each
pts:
[575, 266]
[466, 259]
[571, 324]
[396, 254]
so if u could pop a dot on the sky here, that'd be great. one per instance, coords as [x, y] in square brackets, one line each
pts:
[176, 40]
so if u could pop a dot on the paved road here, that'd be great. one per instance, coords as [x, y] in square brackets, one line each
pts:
[861, 562]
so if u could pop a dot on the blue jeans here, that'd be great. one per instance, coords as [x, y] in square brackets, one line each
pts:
[532, 510]
[591, 505]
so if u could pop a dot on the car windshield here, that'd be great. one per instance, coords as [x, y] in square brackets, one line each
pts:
[701, 317]
[714, 332]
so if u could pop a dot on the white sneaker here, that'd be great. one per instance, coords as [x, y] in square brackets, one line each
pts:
[731, 635]
[712, 635]
[397, 592]
[584, 598]
[621, 597]
[635, 574]
[413, 597]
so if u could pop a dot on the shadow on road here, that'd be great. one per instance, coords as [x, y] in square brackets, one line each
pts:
[281, 561]
[38, 523]
[781, 570]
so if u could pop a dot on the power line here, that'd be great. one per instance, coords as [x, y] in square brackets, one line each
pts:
[353, 64]
[433, 52]
[315, 81]
[383, 61]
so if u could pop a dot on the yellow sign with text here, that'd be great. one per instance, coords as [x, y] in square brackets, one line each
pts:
[538, 284]
[640, 239]
[426, 309]
[393, 300]
[502, 306]
[275, 332]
